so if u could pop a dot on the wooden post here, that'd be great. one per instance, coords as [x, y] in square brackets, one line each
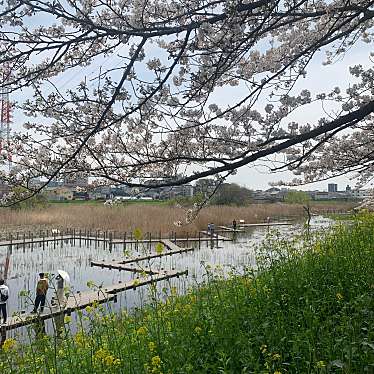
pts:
[199, 239]
[24, 241]
[124, 241]
[187, 239]
[43, 241]
[110, 241]
[175, 237]
[32, 241]
[150, 240]
[80, 237]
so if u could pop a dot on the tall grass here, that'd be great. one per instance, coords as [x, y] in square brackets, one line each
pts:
[150, 218]
[310, 310]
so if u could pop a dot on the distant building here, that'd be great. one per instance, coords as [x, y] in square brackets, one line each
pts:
[332, 187]
[59, 194]
[79, 179]
[360, 194]
[55, 183]
[100, 192]
[205, 186]
[80, 195]
[320, 195]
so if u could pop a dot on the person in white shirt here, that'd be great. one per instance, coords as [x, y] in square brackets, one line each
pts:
[4, 295]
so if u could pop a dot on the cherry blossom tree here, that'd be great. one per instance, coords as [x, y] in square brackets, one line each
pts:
[154, 93]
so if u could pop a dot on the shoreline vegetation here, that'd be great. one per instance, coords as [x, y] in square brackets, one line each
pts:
[149, 216]
[306, 309]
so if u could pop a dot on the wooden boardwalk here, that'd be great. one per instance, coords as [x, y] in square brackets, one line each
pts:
[141, 282]
[173, 248]
[215, 236]
[108, 241]
[77, 301]
[146, 257]
[229, 229]
[266, 224]
[83, 299]
[40, 240]
[118, 265]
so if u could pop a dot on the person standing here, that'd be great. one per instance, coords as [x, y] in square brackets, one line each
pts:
[60, 291]
[4, 296]
[41, 293]
[234, 224]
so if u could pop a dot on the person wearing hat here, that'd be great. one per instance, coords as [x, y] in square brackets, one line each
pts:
[41, 293]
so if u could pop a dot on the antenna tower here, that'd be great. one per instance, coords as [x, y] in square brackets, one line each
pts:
[6, 114]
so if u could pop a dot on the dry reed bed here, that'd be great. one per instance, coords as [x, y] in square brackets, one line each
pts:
[149, 218]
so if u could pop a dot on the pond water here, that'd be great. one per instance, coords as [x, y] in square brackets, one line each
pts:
[75, 258]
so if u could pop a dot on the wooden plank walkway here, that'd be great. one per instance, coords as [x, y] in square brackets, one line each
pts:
[83, 299]
[108, 241]
[141, 282]
[149, 257]
[118, 265]
[37, 240]
[266, 224]
[170, 245]
[216, 236]
[77, 301]
[230, 229]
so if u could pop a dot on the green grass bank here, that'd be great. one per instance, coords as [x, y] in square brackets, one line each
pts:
[308, 310]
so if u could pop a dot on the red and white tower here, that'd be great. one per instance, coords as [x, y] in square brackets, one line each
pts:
[5, 114]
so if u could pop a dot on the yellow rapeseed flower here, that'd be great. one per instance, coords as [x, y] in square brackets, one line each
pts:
[103, 356]
[67, 319]
[320, 364]
[138, 234]
[141, 330]
[277, 372]
[339, 296]
[156, 361]
[9, 344]
[152, 346]
[80, 339]
[159, 248]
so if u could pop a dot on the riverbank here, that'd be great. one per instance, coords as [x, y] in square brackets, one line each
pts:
[148, 217]
[309, 311]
